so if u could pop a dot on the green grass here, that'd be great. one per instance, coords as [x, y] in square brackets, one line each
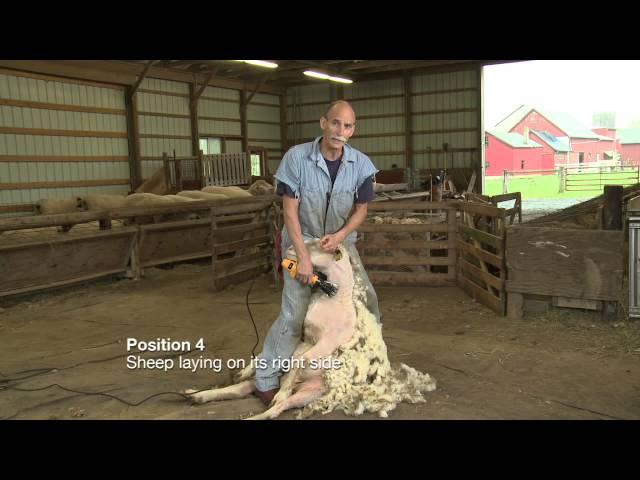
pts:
[544, 186]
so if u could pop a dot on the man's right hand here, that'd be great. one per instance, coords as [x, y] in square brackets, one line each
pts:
[304, 271]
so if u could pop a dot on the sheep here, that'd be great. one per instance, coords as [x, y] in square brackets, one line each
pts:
[103, 202]
[261, 187]
[181, 199]
[229, 192]
[343, 338]
[183, 216]
[146, 200]
[52, 206]
[196, 194]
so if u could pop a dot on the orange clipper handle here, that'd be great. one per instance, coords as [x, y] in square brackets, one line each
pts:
[290, 266]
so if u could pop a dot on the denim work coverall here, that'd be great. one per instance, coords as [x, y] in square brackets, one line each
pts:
[322, 210]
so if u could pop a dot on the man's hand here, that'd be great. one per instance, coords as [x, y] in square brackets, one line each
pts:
[304, 271]
[329, 243]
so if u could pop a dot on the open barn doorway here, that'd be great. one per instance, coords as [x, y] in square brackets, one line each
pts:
[558, 131]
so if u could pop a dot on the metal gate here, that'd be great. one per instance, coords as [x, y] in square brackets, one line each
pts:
[634, 265]
[585, 178]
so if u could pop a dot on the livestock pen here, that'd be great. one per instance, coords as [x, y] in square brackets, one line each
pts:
[481, 360]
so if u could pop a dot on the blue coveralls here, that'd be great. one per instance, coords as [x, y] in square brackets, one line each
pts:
[322, 210]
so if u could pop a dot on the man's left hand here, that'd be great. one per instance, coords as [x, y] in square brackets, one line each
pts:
[329, 243]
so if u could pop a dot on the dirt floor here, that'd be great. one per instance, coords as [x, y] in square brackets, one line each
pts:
[563, 365]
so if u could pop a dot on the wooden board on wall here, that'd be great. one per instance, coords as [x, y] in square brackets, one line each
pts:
[167, 242]
[33, 267]
[585, 264]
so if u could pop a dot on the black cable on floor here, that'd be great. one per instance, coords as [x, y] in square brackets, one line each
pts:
[253, 350]
[183, 395]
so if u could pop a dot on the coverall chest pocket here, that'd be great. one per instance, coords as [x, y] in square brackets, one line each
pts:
[311, 209]
[342, 203]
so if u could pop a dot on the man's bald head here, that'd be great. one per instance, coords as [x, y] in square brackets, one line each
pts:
[338, 104]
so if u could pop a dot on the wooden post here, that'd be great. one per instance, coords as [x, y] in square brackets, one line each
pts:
[611, 220]
[283, 123]
[193, 111]
[136, 271]
[515, 304]
[505, 182]
[244, 125]
[133, 137]
[213, 247]
[612, 207]
[561, 182]
[408, 139]
[452, 237]
[167, 173]
[178, 166]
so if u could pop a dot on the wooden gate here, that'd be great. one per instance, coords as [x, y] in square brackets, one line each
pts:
[481, 262]
[242, 240]
[421, 252]
[226, 169]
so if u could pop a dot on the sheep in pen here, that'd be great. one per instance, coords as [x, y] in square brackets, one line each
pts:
[342, 362]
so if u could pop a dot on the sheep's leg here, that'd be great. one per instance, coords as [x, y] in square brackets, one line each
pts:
[287, 385]
[315, 354]
[232, 392]
[245, 373]
[308, 392]
[303, 372]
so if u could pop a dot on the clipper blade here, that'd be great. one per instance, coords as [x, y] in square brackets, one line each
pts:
[327, 287]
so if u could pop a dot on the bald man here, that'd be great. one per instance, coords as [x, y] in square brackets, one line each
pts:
[326, 186]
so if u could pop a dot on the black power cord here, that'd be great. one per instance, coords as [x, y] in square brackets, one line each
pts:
[183, 395]
[42, 371]
[253, 350]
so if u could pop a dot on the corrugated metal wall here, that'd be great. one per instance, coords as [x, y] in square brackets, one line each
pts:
[68, 137]
[379, 107]
[445, 108]
[219, 116]
[164, 122]
[305, 106]
[263, 119]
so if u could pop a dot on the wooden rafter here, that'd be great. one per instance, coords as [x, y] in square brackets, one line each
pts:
[141, 77]
[255, 90]
[208, 78]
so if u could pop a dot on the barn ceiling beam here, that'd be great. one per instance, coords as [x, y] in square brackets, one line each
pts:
[255, 90]
[373, 63]
[204, 85]
[141, 77]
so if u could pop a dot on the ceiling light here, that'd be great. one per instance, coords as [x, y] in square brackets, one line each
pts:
[340, 79]
[324, 76]
[259, 63]
[311, 73]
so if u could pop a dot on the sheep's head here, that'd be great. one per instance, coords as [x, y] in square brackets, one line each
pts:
[261, 187]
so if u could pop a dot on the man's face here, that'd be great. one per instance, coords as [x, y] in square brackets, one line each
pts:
[339, 126]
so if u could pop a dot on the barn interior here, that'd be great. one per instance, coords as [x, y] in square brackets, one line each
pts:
[514, 320]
